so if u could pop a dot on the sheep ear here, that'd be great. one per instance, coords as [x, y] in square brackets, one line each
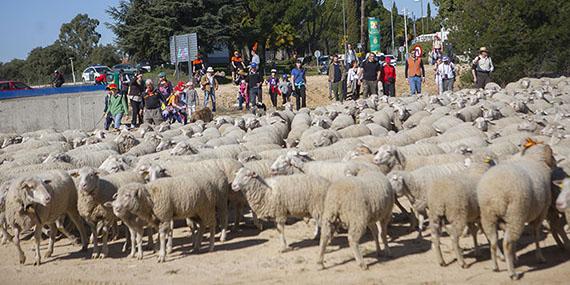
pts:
[108, 205]
[46, 181]
[473, 124]
[253, 174]
[73, 173]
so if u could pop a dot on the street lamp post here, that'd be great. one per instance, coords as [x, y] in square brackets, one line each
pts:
[72, 70]
[422, 8]
[392, 24]
[406, 30]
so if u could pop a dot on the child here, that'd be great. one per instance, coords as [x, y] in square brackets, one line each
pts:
[273, 82]
[192, 98]
[285, 88]
[115, 106]
[242, 95]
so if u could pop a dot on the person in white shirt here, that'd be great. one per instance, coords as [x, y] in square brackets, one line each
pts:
[438, 82]
[446, 71]
[482, 67]
[255, 58]
[350, 56]
[354, 77]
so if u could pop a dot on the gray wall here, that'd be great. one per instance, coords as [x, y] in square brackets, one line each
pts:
[62, 112]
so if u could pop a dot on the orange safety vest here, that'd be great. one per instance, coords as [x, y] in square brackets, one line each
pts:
[414, 68]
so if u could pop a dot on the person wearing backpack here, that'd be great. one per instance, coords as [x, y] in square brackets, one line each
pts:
[115, 106]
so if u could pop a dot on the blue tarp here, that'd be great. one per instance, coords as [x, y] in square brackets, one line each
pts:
[49, 91]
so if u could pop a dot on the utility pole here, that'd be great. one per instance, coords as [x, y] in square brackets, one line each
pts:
[406, 30]
[414, 19]
[422, 9]
[72, 70]
[392, 24]
[362, 21]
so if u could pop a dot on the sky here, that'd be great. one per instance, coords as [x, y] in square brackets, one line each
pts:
[33, 23]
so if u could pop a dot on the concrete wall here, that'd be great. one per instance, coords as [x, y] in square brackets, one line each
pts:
[63, 111]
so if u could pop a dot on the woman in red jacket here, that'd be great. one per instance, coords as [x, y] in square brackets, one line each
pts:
[388, 78]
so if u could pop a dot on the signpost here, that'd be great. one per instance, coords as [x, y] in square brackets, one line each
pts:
[183, 48]
[374, 34]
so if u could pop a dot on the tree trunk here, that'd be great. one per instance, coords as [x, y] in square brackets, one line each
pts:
[362, 23]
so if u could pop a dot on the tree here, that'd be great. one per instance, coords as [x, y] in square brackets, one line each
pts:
[105, 55]
[363, 22]
[524, 40]
[43, 61]
[353, 24]
[80, 35]
[429, 27]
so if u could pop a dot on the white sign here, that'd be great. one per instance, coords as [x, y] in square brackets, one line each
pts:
[401, 49]
[317, 53]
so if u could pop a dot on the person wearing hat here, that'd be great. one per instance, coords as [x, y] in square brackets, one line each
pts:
[176, 105]
[336, 74]
[115, 106]
[152, 101]
[482, 66]
[135, 95]
[371, 73]
[254, 81]
[237, 64]
[299, 80]
[415, 72]
[192, 98]
[210, 86]
[446, 71]
[273, 82]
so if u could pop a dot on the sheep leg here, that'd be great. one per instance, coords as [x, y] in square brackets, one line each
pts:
[473, 230]
[421, 220]
[281, 230]
[37, 240]
[132, 236]
[491, 231]
[21, 254]
[5, 235]
[192, 227]
[169, 241]
[510, 255]
[128, 238]
[536, 232]
[163, 230]
[411, 216]
[213, 234]
[374, 230]
[256, 221]
[74, 216]
[353, 239]
[326, 234]
[93, 226]
[149, 234]
[52, 233]
[383, 227]
[317, 230]
[106, 229]
[435, 225]
[455, 232]
[198, 238]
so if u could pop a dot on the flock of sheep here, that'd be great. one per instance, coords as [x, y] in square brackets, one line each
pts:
[485, 160]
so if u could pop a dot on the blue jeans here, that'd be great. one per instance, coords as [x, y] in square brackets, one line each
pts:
[254, 94]
[415, 85]
[110, 118]
[210, 94]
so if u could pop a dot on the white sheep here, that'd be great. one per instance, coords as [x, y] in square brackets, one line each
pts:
[41, 200]
[526, 198]
[94, 191]
[298, 195]
[358, 203]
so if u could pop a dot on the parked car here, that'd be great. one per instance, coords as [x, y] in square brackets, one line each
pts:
[94, 71]
[144, 66]
[125, 67]
[13, 85]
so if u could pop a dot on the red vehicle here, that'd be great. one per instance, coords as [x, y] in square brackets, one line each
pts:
[13, 85]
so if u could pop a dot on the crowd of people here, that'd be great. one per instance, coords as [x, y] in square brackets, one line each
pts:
[348, 79]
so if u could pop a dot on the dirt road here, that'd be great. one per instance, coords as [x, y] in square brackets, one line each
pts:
[250, 257]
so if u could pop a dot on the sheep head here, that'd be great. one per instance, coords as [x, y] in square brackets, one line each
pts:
[390, 156]
[247, 156]
[183, 148]
[87, 179]
[114, 164]
[132, 198]
[125, 141]
[243, 177]
[57, 157]
[155, 172]
[34, 190]
[398, 184]
[164, 144]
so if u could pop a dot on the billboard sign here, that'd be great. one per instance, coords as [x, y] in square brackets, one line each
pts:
[374, 34]
[183, 48]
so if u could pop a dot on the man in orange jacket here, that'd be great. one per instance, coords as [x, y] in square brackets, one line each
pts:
[415, 72]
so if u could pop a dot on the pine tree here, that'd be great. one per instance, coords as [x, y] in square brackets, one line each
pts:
[352, 22]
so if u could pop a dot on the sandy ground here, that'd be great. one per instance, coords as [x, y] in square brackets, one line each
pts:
[252, 257]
